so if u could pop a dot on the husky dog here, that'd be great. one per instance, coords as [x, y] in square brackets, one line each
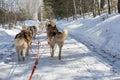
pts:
[33, 30]
[41, 26]
[55, 37]
[22, 43]
[50, 27]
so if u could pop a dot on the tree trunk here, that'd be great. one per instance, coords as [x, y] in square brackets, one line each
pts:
[118, 6]
[102, 3]
[98, 8]
[109, 9]
[75, 11]
[83, 8]
[80, 7]
[94, 8]
[67, 10]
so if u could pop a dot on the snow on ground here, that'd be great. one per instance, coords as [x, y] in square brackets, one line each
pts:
[82, 55]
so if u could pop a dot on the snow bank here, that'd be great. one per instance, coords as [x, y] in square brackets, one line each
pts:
[98, 34]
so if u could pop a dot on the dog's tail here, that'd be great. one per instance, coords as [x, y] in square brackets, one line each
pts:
[65, 33]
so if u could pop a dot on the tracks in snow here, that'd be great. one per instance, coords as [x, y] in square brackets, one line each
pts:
[78, 62]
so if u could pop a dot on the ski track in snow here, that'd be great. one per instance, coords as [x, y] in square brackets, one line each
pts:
[78, 63]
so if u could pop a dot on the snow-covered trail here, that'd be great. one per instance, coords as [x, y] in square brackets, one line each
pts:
[78, 63]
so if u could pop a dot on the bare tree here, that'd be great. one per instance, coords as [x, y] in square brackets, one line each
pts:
[118, 6]
[94, 8]
[98, 7]
[80, 7]
[67, 3]
[75, 10]
[82, 2]
[109, 8]
[102, 3]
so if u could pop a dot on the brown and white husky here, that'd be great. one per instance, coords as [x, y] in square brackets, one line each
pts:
[22, 43]
[55, 37]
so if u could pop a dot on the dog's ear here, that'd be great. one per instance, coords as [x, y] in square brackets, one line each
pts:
[47, 20]
[17, 36]
[52, 23]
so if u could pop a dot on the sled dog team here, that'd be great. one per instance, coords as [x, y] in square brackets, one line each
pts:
[24, 39]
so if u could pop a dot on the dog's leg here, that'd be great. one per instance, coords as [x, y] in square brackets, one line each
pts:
[27, 53]
[60, 49]
[18, 54]
[34, 36]
[52, 53]
[24, 53]
[21, 55]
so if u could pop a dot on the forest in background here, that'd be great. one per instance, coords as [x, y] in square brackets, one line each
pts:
[66, 8]
[12, 11]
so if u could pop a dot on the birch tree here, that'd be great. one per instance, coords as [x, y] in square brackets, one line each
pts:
[32, 7]
[75, 11]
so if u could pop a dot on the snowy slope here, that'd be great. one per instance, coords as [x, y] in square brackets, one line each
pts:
[97, 34]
